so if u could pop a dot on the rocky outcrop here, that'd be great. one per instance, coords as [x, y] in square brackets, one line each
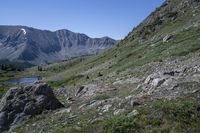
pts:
[87, 91]
[21, 103]
[171, 84]
[167, 13]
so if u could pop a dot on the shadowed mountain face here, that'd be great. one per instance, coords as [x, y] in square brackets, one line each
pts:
[30, 47]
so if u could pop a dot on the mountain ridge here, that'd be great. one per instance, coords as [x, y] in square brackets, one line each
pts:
[169, 13]
[40, 47]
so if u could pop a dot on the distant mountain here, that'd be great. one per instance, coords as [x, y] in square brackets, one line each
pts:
[30, 47]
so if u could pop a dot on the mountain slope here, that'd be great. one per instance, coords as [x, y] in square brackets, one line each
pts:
[36, 47]
[146, 83]
[136, 51]
[169, 17]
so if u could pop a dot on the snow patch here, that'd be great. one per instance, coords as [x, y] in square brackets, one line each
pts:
[24, 31]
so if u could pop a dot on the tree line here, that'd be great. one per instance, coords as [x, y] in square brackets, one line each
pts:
[10, 67]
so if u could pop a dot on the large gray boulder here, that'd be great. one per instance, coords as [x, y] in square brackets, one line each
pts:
[21, 103]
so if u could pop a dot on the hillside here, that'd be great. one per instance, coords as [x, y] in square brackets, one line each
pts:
[148, 82]
[130, 53]
[33, 47]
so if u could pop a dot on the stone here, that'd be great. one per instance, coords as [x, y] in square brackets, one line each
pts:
[42, 130]
[135, 102]
[82, 89]
[158, 82]
[70, 119]
[96, 104]
[67, 110]
[150, 78]
[168, 81]
[106, 108]
[128, 97]
[70, 100]
[62, 92]
[131, 80]
[157, 79]
[171, 73]
[119, 111]
[21, 103]
[167, 38]
[86, 91]
[82, 106]
[133, 113]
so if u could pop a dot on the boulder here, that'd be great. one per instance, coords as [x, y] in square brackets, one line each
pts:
[21, 103]
[157, 79]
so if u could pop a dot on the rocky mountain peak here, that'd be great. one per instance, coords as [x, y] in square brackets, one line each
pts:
[30, 47]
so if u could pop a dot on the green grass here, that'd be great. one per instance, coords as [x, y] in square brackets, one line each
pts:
[121, 57]
[102, 96]
[119, 124]
[181, 115]
[160, 116]
[185, 112]
[3, 89]
[125, 55]
[129, 53]
[67, 81]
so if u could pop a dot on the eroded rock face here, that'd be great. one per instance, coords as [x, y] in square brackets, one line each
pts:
[23, 102]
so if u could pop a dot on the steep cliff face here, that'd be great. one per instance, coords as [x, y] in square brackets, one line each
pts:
[38, 47]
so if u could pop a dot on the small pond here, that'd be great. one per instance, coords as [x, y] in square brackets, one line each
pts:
[23, 80]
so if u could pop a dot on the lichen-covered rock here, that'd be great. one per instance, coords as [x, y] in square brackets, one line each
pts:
[23, 102]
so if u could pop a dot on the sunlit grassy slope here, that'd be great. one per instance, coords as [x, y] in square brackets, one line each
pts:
[124, 56]
[143, 45]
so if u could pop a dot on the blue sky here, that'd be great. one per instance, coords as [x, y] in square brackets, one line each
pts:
[96, 18]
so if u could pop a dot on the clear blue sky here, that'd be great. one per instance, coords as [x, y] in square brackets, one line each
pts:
[96, 18]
